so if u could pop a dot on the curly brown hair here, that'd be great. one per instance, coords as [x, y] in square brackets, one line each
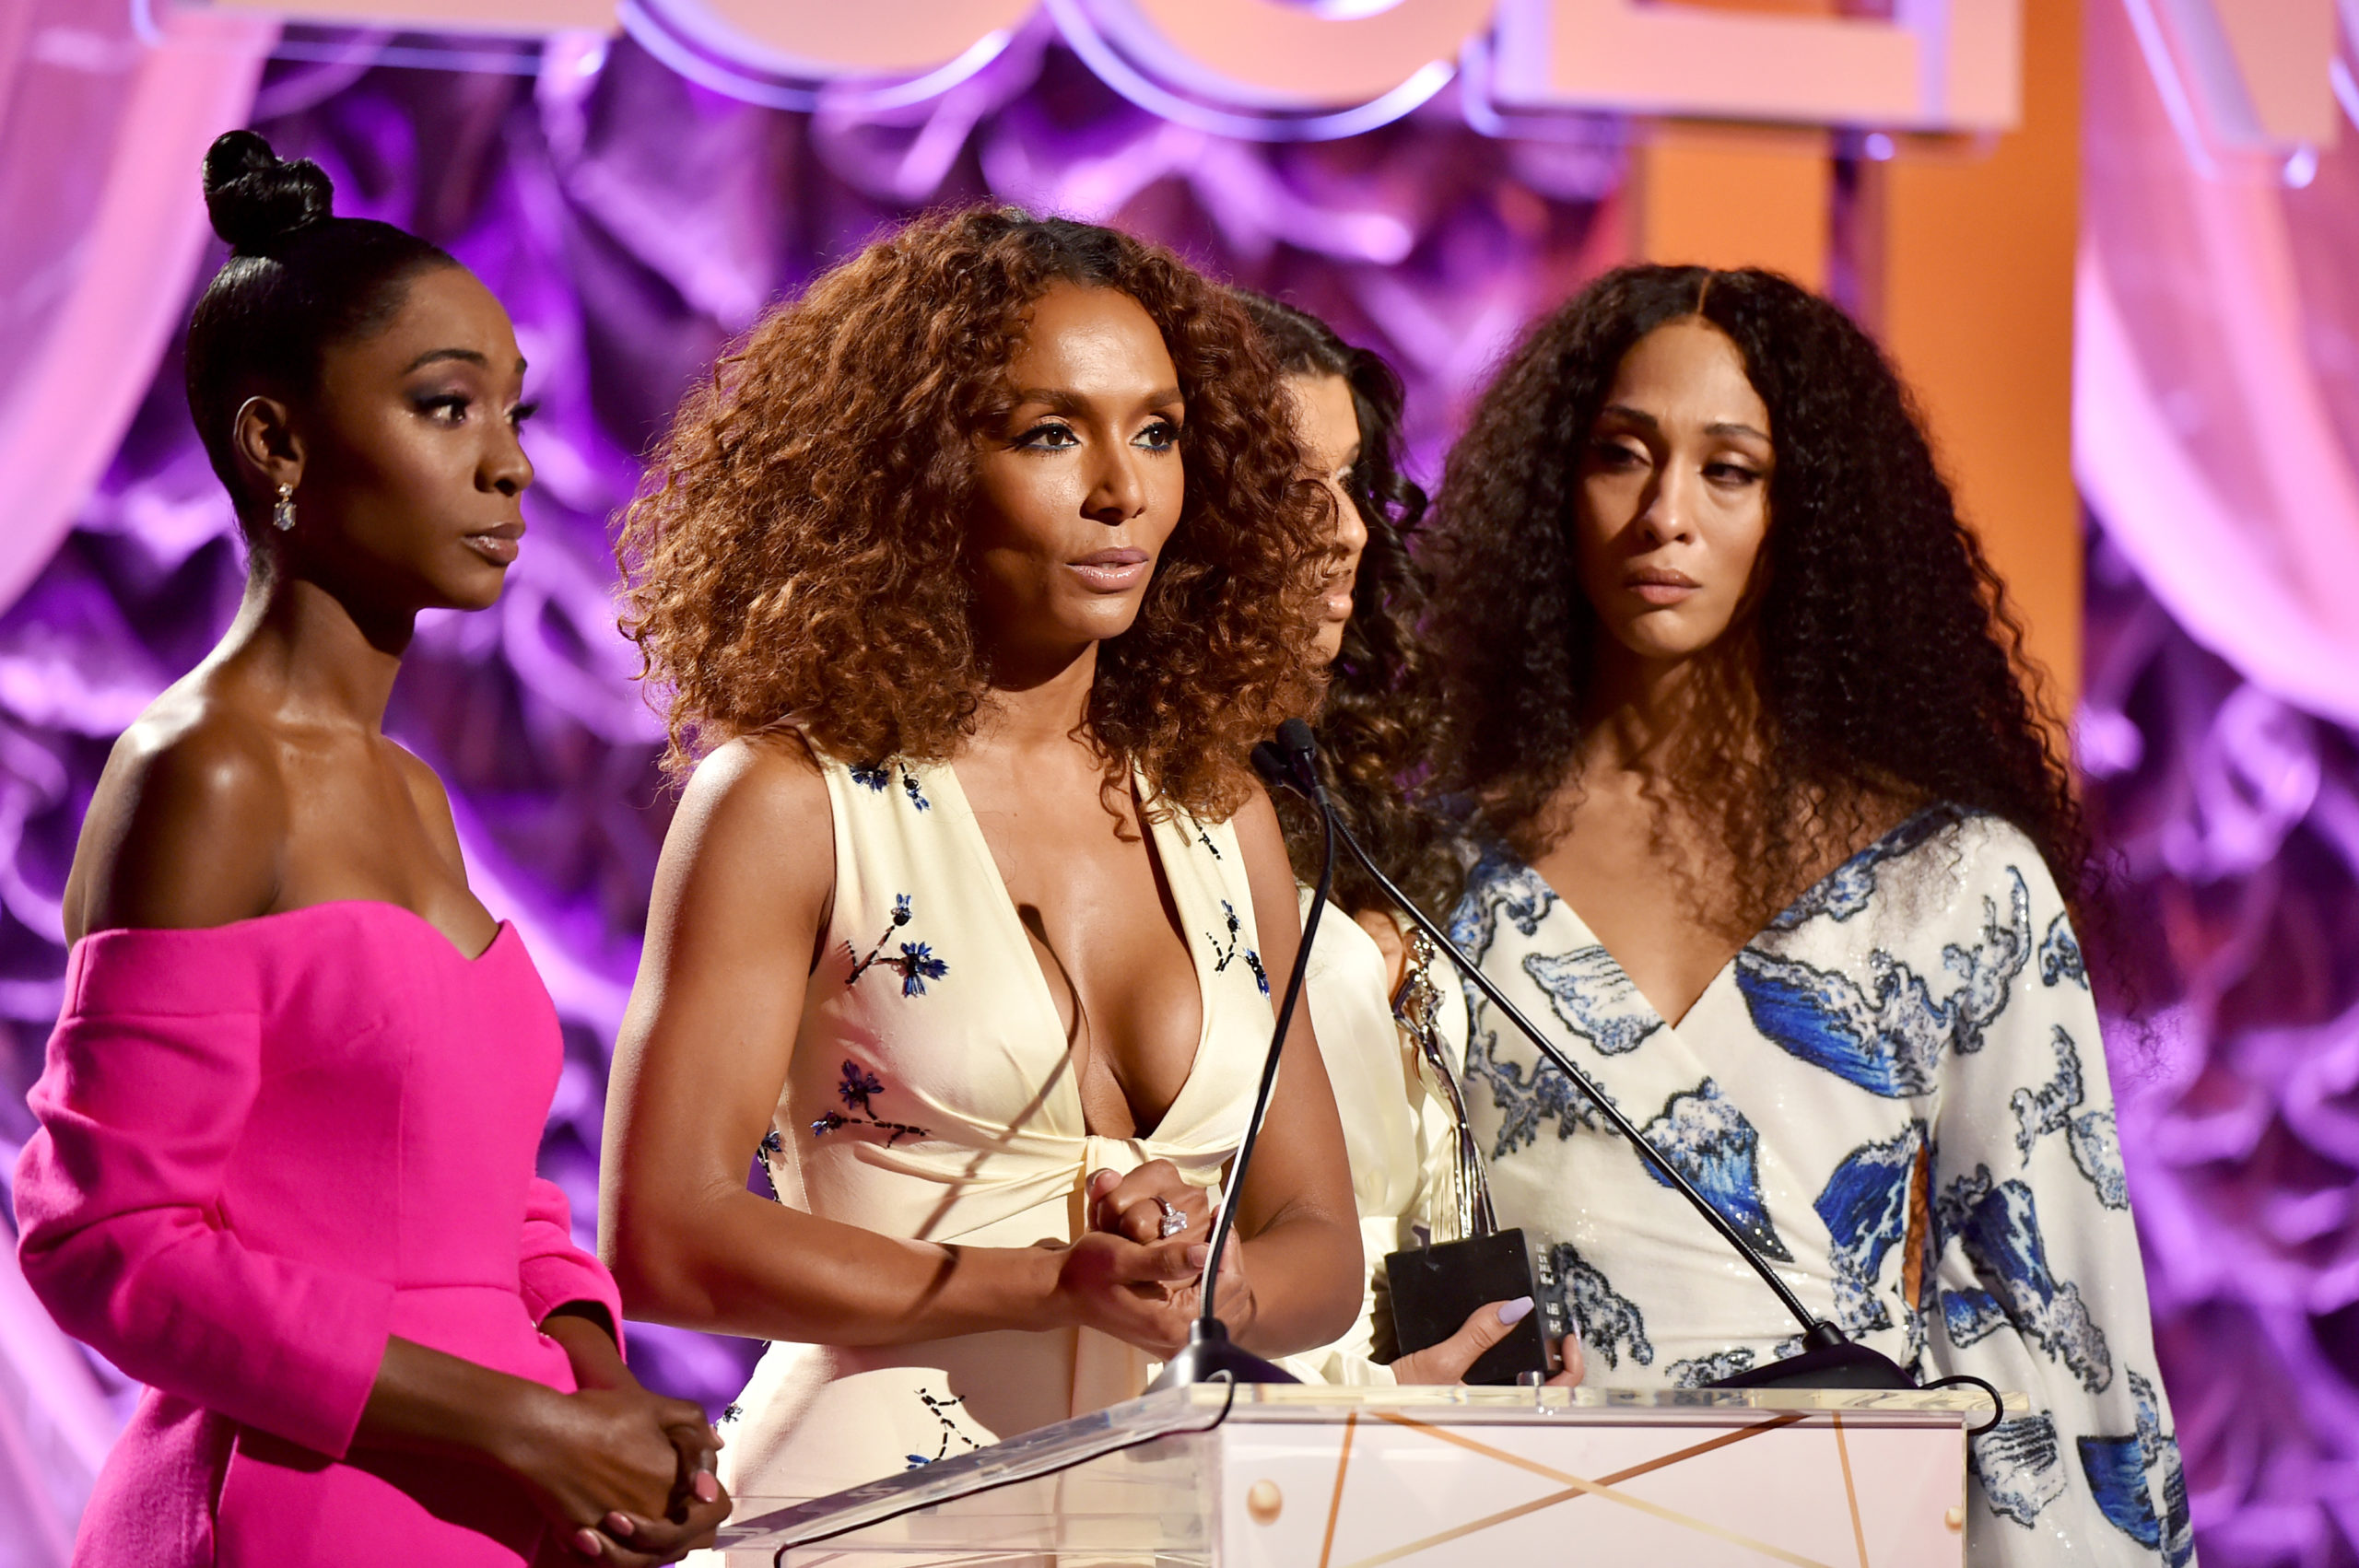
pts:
[1885, 669]
[1376, 727]
[793, 559]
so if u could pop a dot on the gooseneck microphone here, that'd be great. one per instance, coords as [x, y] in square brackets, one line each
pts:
[1828, 1359]
[1210, 1355]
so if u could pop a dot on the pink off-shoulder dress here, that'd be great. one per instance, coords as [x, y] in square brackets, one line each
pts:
[264, 1148]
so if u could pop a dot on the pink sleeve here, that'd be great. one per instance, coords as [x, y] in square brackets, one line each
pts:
[552, 1269]
[118, 1211]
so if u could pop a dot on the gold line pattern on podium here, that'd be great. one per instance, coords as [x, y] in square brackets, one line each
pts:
[1578, 1486]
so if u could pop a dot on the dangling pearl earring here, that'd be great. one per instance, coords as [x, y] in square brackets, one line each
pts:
[282, 516]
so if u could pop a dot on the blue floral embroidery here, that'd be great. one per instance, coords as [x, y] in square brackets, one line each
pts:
[773, 1148]
[874, 775]
[856, 1089]
[939, 1408]
[1204, 840]
[1224, 955]
[915, 964]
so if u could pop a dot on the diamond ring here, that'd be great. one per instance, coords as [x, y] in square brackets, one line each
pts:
[1173, 1222]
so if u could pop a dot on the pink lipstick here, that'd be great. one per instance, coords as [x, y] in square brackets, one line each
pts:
[1111, 571]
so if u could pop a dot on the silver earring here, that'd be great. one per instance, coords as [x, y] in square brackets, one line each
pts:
[282, 516]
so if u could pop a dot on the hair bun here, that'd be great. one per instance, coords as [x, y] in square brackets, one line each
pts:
[255, 198]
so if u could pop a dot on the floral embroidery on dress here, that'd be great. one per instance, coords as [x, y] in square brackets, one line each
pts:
[875, 776]
[939, 1408]
[773, 1147]
[855, 1089]
[1205, 839]
[916, 963]
[1224, 955]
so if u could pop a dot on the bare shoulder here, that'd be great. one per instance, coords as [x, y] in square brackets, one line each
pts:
[754, 833]
[187, 826]
[433, 803]
[1258, 834]
[754, 786]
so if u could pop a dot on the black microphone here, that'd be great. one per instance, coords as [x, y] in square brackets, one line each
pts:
[1210, 1355]
[1829, 1359]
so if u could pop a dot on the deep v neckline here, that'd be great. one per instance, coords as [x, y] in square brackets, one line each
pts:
[952, 794]
[1873, 849]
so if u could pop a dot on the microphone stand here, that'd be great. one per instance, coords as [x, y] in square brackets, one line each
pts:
[1211, 1355]
[1828, 1359]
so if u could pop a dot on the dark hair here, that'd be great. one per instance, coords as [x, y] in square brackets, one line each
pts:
[794, 556]
[299, 281]
[1886, 665]
[1375, 728]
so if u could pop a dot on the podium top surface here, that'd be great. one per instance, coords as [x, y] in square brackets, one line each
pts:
[1456, 1402]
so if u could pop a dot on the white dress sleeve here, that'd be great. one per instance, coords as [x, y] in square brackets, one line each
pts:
[2036, 1283]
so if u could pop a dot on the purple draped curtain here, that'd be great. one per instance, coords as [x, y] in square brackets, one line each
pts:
[100, 131]
[2216, 441]
[634, 223]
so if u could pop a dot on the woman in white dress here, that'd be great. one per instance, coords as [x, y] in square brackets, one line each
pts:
[1391, 1025]
[1779, 843]
[975, 574]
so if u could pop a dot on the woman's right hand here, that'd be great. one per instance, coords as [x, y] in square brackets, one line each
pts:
[1131, 1291]
[615, 1473]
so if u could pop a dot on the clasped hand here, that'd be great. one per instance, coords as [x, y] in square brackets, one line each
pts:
[1126, 1278]
[1131, 1207]
[625, 1474]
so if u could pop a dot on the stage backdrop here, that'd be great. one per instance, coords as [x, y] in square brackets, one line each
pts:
[634, 223]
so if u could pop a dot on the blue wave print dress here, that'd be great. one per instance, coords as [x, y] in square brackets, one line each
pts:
[1897, 1091]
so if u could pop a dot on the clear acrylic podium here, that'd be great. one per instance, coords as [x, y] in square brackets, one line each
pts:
[1309, 1477]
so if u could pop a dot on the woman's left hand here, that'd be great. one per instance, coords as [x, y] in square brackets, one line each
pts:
[1141, 1204]
[1137, 1205]
[1449, 1360]
[699, 1505]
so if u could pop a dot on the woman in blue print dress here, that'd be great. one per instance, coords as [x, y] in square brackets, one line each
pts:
[1776, 838]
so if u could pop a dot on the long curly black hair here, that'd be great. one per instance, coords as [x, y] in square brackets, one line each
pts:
[1375, 726]
[1885, 663]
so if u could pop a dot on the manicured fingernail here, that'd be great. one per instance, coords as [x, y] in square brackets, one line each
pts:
[1516, 1311]
[585, 1541]
[618, 1523]
[705, 1487]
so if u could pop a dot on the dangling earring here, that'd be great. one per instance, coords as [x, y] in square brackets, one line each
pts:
[282, 516]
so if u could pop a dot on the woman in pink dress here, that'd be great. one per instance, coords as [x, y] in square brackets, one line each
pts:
[289, 1119]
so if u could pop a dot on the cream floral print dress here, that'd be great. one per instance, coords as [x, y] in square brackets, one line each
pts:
[931, 1096]
[1896, 1091]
